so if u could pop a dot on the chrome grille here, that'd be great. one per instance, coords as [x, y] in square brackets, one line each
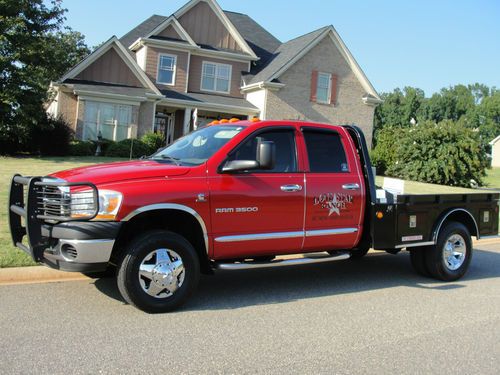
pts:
[62, 202]
[54, 201]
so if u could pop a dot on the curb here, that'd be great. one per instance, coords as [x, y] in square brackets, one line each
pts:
[43, 274]
[37, 274]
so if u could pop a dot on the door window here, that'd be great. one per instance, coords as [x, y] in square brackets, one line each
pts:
[284, 141]
[325, 152]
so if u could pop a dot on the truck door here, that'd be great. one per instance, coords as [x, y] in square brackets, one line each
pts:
[334, 199]
[259, 212]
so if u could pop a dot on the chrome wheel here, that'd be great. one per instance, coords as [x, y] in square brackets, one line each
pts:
[454, 252]
[161, 273]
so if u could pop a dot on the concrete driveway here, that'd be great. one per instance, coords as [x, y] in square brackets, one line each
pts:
[369, 317]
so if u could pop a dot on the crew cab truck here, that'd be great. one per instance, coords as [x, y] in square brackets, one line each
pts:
[235, 195]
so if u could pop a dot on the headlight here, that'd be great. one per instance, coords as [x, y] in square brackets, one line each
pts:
[109, 204]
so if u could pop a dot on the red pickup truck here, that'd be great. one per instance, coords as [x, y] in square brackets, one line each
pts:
[237, 195]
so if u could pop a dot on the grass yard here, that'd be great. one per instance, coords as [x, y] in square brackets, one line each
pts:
[10, 256]
[13, 257]
[492, 180]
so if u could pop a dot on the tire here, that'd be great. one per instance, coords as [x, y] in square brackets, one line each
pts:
[417, 258]
[449, 259]
[158, 272]
[359, 252]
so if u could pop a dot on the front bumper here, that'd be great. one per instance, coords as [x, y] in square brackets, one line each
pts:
[80, 246]
[68, 245]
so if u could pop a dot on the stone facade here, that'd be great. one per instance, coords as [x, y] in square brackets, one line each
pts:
[293, 100]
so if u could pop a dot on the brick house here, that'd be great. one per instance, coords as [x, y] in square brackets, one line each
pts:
[173, 74]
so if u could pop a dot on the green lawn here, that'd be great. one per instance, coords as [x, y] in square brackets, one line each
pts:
[13, 257]
[492, 180]
[9, 255]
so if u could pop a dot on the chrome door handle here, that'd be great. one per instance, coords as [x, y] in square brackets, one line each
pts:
[350, 186]
[291, 188]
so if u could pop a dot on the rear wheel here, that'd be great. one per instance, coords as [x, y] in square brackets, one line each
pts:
[159, 272]
[449, 259]
[417, 258]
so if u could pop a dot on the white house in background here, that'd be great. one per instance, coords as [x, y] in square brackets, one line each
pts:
[495, 152]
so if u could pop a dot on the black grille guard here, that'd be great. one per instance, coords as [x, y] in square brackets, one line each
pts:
[24, 205]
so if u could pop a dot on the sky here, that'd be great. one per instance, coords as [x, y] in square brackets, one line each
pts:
[428, 44]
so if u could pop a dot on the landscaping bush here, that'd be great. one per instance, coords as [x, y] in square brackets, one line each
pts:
[122, 149]
[446, 153]
[154, 141]
[51, 137]
[385, 152]
[82, 148]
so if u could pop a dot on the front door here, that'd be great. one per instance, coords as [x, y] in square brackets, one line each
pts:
[259, 212]
[335, 199]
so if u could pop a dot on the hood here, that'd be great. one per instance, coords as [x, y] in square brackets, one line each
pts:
[121, 171]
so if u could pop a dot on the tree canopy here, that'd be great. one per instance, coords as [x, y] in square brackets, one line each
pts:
[35, 49]
[427, 139]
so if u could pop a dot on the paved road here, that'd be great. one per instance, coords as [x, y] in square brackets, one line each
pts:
[369, 317]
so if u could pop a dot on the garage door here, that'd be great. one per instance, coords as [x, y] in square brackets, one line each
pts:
[112, 120]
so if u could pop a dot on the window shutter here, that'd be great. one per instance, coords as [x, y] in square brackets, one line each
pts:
[314, 85]
[333, 96]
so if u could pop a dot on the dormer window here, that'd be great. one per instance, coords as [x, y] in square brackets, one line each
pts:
[166, 69]
[216, 77]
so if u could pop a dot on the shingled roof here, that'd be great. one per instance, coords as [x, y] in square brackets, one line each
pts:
[284, 53]
[142, 29]
[273, 55]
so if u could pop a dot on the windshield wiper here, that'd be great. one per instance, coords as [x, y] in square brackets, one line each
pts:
[176, 161]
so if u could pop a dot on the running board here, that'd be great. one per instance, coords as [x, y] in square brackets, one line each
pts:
[280, 262]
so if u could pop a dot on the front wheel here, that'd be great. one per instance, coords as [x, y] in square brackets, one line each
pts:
[159, 272]
[449, 259]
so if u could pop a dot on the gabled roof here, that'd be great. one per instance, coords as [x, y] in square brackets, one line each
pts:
[112, 42]
[495, 141]
[290, 52]
[172, 21]
[223, 18]
[259, 39]
[142, 29]
[284, 54]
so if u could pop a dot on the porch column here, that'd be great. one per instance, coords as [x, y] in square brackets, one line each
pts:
[187, 120]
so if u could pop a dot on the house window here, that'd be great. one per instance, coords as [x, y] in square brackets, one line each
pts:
[113, 121]
[216, 77]
[323, 88]
[166, 69]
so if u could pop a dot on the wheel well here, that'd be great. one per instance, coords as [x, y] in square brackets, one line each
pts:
[177, 221]
[460, 216]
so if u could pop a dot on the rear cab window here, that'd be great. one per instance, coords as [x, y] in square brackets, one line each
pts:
[325, 151]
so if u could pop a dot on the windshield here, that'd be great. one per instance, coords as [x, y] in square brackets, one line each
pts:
[198, 146]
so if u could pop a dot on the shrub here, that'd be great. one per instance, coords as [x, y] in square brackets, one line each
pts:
[445, 153]
[154, 141]
[82, 148]
[122, 149]
[51, 137]
[385, 152]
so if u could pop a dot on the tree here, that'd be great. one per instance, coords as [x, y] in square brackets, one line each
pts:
[444, 153]
[35, 49]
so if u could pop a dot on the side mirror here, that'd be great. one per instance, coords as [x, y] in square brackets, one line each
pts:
[266, 155]
[266, 159]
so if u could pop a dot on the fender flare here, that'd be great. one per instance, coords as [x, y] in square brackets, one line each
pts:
[437, 228]
[172, 206]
